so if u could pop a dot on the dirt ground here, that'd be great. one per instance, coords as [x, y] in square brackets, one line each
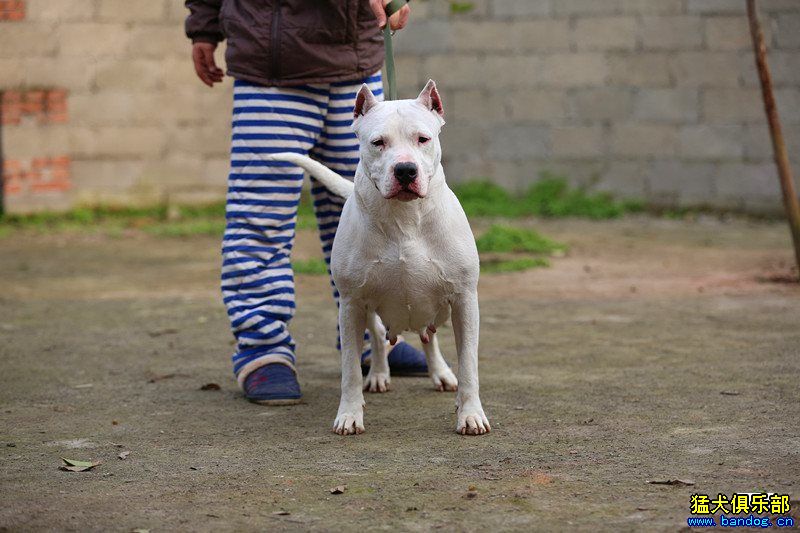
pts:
[654, 350]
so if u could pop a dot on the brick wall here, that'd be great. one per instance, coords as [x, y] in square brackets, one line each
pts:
[101, 105]
[654, 99]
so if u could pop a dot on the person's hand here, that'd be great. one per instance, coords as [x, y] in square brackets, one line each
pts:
[397, 21]
[203, 57]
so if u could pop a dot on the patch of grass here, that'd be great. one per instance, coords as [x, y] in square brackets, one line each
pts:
[305, 214]
[549, 197]
[512, 249]
[313, 267]
[85, 217]
[500, 266]
[486, 199]
[456, 8]
[552, 197]
[187, 228]
[159, 220]
[508, 239]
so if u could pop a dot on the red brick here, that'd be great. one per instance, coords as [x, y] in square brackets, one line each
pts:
[60, 173]
[56, 105]
[13, 176]
[40, 174]
[12, 10]
[33, 104]
[11, 107]
[44, 105]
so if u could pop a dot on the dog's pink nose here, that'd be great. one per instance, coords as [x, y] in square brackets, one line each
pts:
[405, 173]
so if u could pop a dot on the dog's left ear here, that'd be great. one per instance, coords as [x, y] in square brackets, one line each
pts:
[365, 100]
[429, 97]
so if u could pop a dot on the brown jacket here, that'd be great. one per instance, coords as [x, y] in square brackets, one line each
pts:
[290, 42]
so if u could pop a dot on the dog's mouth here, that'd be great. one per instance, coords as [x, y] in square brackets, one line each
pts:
[404, 195]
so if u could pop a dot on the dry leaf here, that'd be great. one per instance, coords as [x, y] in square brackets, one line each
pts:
[281, 513]
[210, 386]
[71, 465]
[673, 482]
[339, 489]
[124, 455]
[166, 331]
[153, 378]
[730, 393]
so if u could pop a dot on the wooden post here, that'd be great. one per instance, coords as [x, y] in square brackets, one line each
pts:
[790, 201]
[2, 163]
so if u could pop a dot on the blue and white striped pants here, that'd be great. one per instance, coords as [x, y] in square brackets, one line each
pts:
[257, 278]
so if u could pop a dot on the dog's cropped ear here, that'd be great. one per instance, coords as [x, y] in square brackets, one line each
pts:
[429, 97]
[365, 100]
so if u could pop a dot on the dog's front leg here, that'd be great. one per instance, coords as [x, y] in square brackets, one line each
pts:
[471, 419]
[352, 321]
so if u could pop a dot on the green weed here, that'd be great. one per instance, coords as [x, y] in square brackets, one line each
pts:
[305, 215]
[457, 8]
[549, 197]
[508, 239]
[187, 228]
[159, 220]
[313, 267]
[500, 266]
[485, 199]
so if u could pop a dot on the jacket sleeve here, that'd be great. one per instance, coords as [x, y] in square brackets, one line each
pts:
[202, 24]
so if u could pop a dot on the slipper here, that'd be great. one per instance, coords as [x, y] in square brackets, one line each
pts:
[404, 360]
[272, 384]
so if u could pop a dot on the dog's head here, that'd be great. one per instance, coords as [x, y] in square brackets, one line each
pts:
[400, 150]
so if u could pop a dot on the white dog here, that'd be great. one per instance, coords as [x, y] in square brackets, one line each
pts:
[403, 252]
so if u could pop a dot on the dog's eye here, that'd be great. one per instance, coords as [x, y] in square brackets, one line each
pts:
[378, 142]
[423, 140]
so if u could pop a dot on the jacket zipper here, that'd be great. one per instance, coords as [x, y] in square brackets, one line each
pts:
[276, 44]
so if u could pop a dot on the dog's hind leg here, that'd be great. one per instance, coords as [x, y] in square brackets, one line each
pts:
[443, 378]
[352, 322]
[377, 379]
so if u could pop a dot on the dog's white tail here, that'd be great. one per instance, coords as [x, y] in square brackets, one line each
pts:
[333, 181]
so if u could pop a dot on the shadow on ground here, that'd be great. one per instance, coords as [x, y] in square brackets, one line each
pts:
[650, 352]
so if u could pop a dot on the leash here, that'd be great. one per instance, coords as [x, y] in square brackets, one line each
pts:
[391, 82]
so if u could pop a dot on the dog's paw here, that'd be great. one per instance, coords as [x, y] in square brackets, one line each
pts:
[349, 422]
[377, 382]
[472, 420]
[444, 380]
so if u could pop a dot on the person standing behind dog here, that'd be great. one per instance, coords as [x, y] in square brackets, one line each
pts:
[297, 66]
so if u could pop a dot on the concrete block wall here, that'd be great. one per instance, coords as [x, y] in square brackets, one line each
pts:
[652, 99]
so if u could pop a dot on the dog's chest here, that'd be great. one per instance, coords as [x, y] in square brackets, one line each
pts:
[408, 286]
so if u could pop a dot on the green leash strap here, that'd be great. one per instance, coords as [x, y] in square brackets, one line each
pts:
[391, 83]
